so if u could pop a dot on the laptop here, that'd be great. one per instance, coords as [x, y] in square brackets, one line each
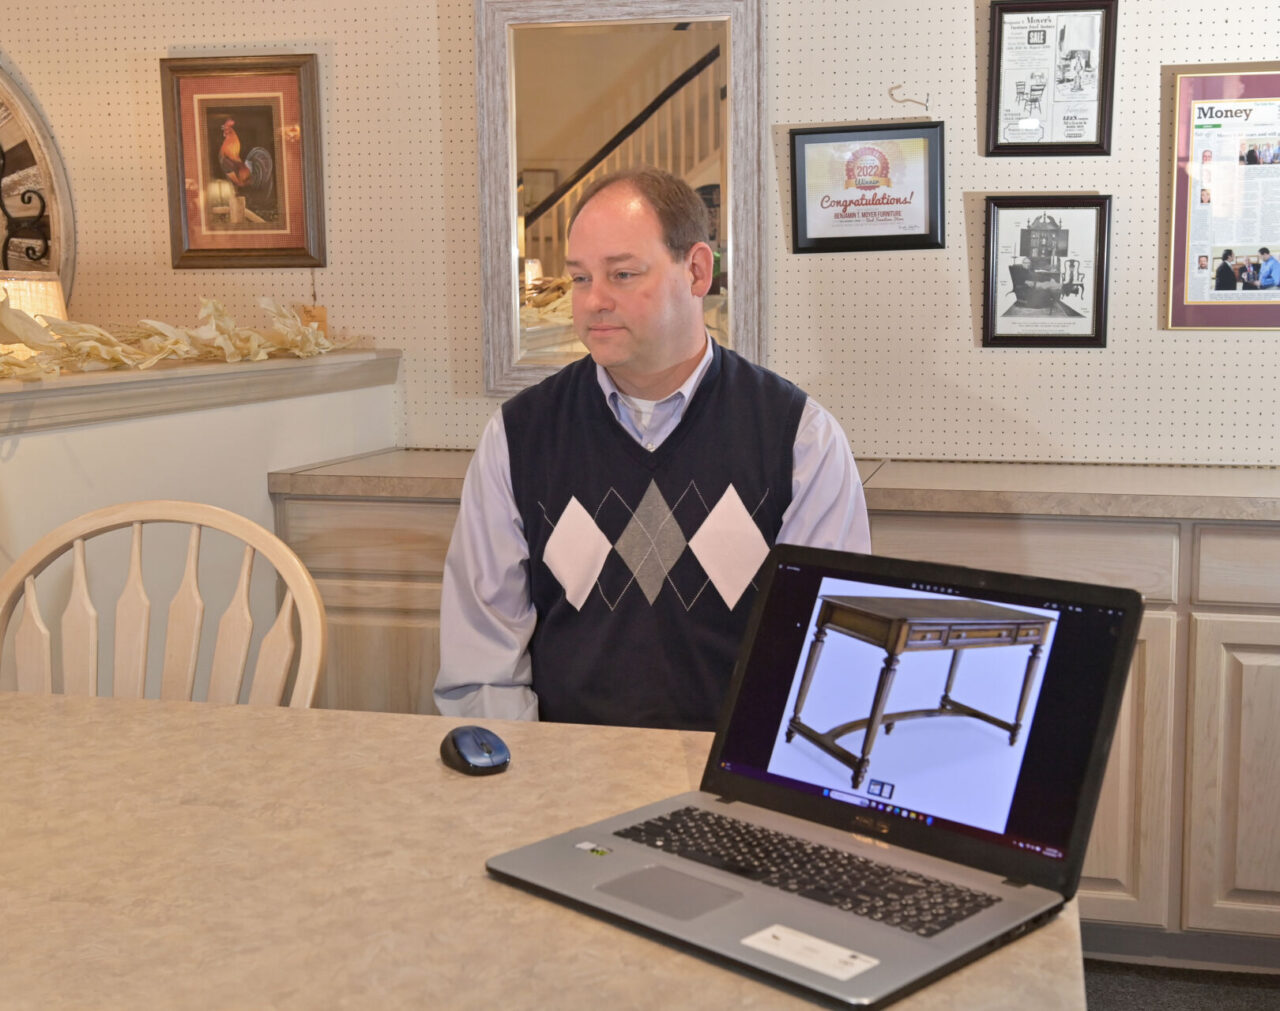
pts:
[903, 778]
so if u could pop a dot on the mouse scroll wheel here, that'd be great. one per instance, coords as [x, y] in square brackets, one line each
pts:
[487, 749]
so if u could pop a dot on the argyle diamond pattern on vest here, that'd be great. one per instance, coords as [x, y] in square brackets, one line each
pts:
[725, 549]
[576, 552]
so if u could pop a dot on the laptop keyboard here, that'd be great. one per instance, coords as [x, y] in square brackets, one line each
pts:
[903, 899]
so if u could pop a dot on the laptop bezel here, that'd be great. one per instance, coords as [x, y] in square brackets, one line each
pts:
[1059, 875]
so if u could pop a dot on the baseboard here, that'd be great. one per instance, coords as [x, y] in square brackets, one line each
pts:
[1185, 950]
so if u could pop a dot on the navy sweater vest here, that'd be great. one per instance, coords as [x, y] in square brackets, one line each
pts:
[641, 563]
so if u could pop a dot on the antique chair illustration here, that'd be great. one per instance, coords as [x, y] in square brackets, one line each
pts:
[1033, 99]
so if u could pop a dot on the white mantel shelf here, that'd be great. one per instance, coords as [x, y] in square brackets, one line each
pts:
[85, 398]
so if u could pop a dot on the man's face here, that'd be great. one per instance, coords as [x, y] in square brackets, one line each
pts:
[1266, 257]
[1204, 262]
[638, 310]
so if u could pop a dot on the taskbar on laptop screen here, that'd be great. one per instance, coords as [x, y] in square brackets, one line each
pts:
[888, 810]
[982, 720]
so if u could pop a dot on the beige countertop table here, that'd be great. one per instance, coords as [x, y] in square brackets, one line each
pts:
[182, 855]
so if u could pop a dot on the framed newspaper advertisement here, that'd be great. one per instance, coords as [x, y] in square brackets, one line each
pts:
[1052, 77]
[1046, 271]
[867, 188]
[1225, 237]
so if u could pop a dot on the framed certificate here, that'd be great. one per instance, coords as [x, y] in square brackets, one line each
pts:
[1225, 238]
[1052, 77]
[1046, 271]
[867, 188]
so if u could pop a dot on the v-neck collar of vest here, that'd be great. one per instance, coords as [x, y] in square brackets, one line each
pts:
[653, 459]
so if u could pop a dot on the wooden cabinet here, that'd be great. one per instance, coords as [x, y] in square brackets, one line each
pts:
[1127, 870]
[1232, 863]
[374, 531]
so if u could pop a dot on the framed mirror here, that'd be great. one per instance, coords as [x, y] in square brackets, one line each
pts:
[37, 229]
[671, 84]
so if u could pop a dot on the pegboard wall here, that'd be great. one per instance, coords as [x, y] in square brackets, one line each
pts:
[890, 342]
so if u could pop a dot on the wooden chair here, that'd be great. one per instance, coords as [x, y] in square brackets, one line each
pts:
[79, 621]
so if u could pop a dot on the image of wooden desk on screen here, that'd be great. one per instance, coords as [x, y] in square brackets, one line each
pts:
[911, 624]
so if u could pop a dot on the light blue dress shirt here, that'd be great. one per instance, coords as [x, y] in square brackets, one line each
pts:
[486, 615]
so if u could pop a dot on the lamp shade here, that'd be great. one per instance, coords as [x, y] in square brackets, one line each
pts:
[35, 292]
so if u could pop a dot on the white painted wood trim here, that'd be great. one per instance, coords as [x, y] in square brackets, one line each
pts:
[93, 397]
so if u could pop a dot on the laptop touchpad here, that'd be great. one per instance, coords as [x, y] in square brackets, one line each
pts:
[663, 890]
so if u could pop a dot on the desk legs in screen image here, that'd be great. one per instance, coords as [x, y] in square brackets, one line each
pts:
[871, 724]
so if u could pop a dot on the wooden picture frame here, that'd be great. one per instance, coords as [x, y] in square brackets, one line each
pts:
[866, 188]
[1046, 271]
[1050, 89]
[242, 147]
[1224, 185]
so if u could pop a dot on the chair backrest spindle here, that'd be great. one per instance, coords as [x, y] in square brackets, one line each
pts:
[182, 633]
[133, 624]
[79, 631]
[274, 656]
[33, 647]
[231, 651]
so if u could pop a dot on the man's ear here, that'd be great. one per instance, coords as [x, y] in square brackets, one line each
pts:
[701, 263]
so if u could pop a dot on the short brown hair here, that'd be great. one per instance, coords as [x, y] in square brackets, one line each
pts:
[681, 212]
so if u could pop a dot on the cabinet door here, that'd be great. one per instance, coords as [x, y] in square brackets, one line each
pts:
[1232, 858]
[384, 645]
[379, 565]
[1126, 869]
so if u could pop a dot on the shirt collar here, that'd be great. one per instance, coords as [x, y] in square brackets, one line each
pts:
[613, 394]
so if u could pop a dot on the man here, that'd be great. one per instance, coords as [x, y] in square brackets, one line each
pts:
[1269, 275]
[1202, 262]
[1224, 278]
[614, 515]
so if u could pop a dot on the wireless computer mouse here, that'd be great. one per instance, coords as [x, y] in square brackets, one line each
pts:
[475, 751]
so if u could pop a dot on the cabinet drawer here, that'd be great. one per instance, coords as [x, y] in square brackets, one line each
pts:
[1237, 565]
[370, 537]
[1143, 556]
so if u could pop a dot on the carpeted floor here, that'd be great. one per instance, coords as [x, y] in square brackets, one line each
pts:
[1122, 986]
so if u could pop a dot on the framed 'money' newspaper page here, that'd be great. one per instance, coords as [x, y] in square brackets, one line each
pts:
[1225, 239]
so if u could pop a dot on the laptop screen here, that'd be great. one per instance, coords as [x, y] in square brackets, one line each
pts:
[958, 712]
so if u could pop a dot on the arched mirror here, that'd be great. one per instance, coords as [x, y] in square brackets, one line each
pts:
[37, 232]
[569, 91]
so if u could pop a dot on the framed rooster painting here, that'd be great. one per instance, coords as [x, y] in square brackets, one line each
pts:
[242, 145]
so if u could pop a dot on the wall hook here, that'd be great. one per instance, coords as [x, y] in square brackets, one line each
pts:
[917, 101]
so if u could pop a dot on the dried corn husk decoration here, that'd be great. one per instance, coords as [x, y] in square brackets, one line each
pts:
[67, 346]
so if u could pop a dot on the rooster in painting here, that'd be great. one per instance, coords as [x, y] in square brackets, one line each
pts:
[252, 175]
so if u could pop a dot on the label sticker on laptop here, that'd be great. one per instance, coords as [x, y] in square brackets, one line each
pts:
[811, 952]
[593, 849]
